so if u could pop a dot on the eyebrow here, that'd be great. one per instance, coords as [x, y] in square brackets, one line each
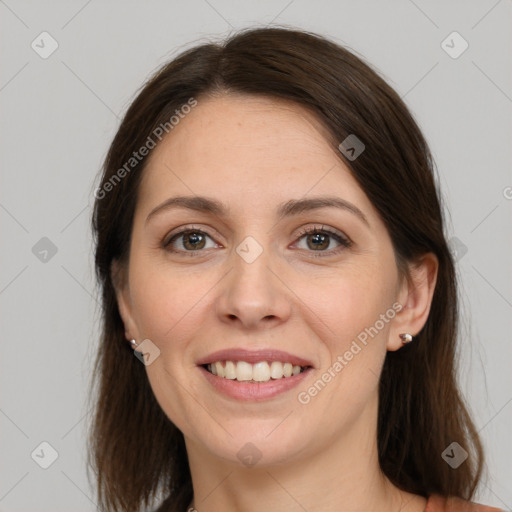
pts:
[288, 209]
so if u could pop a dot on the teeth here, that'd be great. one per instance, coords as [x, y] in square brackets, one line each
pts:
[219, 368]
[276, 370]
[243, 371]
[230, 370]
[259, 372]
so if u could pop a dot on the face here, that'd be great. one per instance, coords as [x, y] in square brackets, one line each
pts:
[254, 275]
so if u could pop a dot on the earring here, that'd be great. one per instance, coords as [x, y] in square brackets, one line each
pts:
[406, 338]
[133, 344]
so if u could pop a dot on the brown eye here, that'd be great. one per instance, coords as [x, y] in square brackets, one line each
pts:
[319, 240]
[188, 241]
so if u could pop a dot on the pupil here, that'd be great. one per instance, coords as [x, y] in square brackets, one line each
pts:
[319, 241]
[193, 239]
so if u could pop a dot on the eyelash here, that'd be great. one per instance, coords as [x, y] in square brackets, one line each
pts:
[344, 241]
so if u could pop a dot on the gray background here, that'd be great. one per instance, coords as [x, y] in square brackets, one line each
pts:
[60, 113]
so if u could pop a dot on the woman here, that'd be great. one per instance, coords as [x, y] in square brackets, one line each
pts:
[269, 242]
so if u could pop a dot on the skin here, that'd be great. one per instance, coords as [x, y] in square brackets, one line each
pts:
[254, 154]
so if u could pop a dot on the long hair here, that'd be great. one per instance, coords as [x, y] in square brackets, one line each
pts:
[421, 410]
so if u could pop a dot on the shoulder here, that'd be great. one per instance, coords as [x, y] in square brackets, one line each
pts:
[437, 503]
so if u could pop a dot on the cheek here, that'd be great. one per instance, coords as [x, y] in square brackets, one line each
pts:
[364, 323]
[349, 302]
[355, 309]
[167, 301]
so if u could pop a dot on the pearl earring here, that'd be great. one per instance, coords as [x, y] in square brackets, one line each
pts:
[133, 344]
[406, 338]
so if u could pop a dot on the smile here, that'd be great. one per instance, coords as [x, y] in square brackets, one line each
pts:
[262, 371]
[251, 390]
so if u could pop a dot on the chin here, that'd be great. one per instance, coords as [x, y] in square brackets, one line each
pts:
[250, 446]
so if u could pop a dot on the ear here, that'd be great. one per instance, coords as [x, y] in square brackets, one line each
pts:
[118, 275]
[415, 296]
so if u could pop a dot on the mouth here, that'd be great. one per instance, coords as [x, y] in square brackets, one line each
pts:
[260, 372]
[254, 375]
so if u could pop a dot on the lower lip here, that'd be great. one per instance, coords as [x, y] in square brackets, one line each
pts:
[254, 391]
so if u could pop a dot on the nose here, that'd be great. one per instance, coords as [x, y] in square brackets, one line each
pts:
[252, 295]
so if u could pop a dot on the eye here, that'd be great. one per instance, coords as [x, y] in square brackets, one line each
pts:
[190, 240]
[319, 240]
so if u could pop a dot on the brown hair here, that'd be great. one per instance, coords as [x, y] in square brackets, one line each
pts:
[135, 449]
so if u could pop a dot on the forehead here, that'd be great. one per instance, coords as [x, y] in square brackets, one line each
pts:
[238, 146]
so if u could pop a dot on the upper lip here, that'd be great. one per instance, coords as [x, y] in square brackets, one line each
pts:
[253, 356]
